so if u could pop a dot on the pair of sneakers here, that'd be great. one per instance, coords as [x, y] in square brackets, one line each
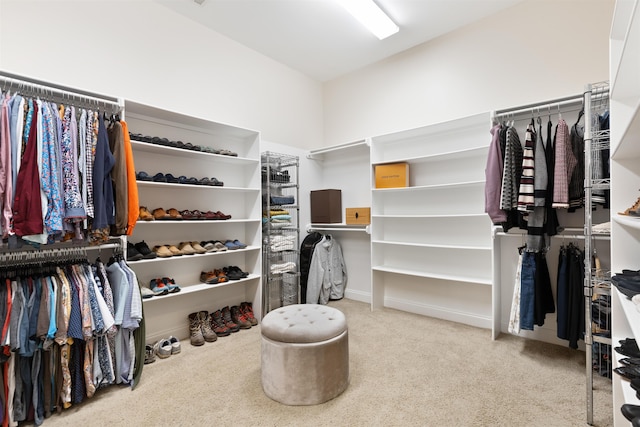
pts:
[163, 286]
[165, 347]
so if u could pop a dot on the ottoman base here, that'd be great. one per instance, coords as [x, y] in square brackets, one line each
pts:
[305, 373]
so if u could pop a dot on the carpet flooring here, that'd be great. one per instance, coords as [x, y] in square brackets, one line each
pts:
[405, 370]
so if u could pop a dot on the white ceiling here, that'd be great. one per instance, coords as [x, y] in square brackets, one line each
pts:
[320, 39]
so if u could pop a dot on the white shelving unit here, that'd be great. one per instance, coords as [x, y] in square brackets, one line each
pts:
[239, 197]
[419, 263]
[625, 179]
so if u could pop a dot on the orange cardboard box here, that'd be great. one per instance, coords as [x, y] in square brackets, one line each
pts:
[392, 175]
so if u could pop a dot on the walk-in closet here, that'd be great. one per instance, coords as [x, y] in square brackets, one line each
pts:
[462, 191]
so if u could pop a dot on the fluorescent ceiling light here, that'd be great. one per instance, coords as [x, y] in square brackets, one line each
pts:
[371, 16]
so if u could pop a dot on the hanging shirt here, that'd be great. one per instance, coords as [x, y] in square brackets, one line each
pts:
[27, 208]
[493, 175]
[6, 181]
[565, 162]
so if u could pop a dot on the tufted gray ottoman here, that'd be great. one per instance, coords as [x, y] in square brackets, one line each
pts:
[305, 354]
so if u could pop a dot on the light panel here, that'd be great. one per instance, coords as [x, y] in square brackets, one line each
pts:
[371, 16]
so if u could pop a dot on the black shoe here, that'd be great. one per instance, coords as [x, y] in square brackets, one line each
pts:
[132, 253]
[630, 411]
[144, 250]
[629, 372]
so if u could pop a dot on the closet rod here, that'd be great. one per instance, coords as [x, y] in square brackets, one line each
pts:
[555, 104]
[40, 88]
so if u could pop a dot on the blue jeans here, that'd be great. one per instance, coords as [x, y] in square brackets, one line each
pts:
[527, 290]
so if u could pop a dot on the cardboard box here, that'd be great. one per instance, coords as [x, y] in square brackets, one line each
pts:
[359, 216]
[392, 175]
[326, 206]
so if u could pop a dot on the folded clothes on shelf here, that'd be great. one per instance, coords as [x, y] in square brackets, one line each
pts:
[282, 200]
[282, 243]
[283, 268]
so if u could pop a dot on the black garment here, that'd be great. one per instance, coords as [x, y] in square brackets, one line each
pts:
[604, 156]
[306, 252]
[551, 224]
[543, 300]
[575, 314]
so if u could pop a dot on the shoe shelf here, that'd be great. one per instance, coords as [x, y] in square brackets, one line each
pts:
[145, 147]
[195, 186]
[180, 257]
[239, 196]
[186, 289]
[625, 179]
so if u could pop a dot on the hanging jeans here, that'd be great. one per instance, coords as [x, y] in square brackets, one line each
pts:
[527, 290]
[562, 295]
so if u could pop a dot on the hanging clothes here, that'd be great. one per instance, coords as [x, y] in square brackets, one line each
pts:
[570, 319]
[306, 253]
[576, 183]
[565, 163]
[327, 272]
[493, 175]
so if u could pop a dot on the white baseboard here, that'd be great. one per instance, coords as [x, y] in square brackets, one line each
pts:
[439, 312]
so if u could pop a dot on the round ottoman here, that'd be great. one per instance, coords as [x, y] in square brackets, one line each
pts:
[305, 354]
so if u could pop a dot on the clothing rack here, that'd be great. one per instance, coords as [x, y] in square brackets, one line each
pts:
[58, 93]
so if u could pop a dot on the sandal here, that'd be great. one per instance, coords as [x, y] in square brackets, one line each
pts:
[633, 210]
[188, 215]
[143, 176]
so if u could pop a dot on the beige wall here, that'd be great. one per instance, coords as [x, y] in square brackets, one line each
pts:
[142, 51]
[537, 50]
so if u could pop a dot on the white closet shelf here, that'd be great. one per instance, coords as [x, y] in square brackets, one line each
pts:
[192, 154]
[418, 216]
[148, 113]
[185, 257]
[199, 287]
[338, 227]
[449, 155]
[428, 187]
[453, 278]
[203, 187]
[432, 245]
[320, 153]
[630, 125]
[195, 221]
[630, 312]
[627, 221]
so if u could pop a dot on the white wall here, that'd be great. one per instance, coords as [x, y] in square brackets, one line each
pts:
[144, 52]
[537, 50]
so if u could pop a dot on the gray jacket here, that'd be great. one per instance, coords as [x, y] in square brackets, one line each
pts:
[327, 273]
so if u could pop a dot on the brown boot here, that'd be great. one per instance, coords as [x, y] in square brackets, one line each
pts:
[205, 323]
[228, 322]
[217, 324]
[239, 318]
[195, 329]
[247, 310]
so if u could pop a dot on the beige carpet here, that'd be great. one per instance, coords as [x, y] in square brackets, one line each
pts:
[406, 370]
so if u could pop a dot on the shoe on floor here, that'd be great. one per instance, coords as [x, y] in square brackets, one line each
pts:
[205, 323]
[175, 345]
[195, 329]
[149, 354]
[217, 324]
[162, 348]
[239, 318]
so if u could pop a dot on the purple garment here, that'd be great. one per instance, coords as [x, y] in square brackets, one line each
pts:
[493, 174]
[6, 181]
